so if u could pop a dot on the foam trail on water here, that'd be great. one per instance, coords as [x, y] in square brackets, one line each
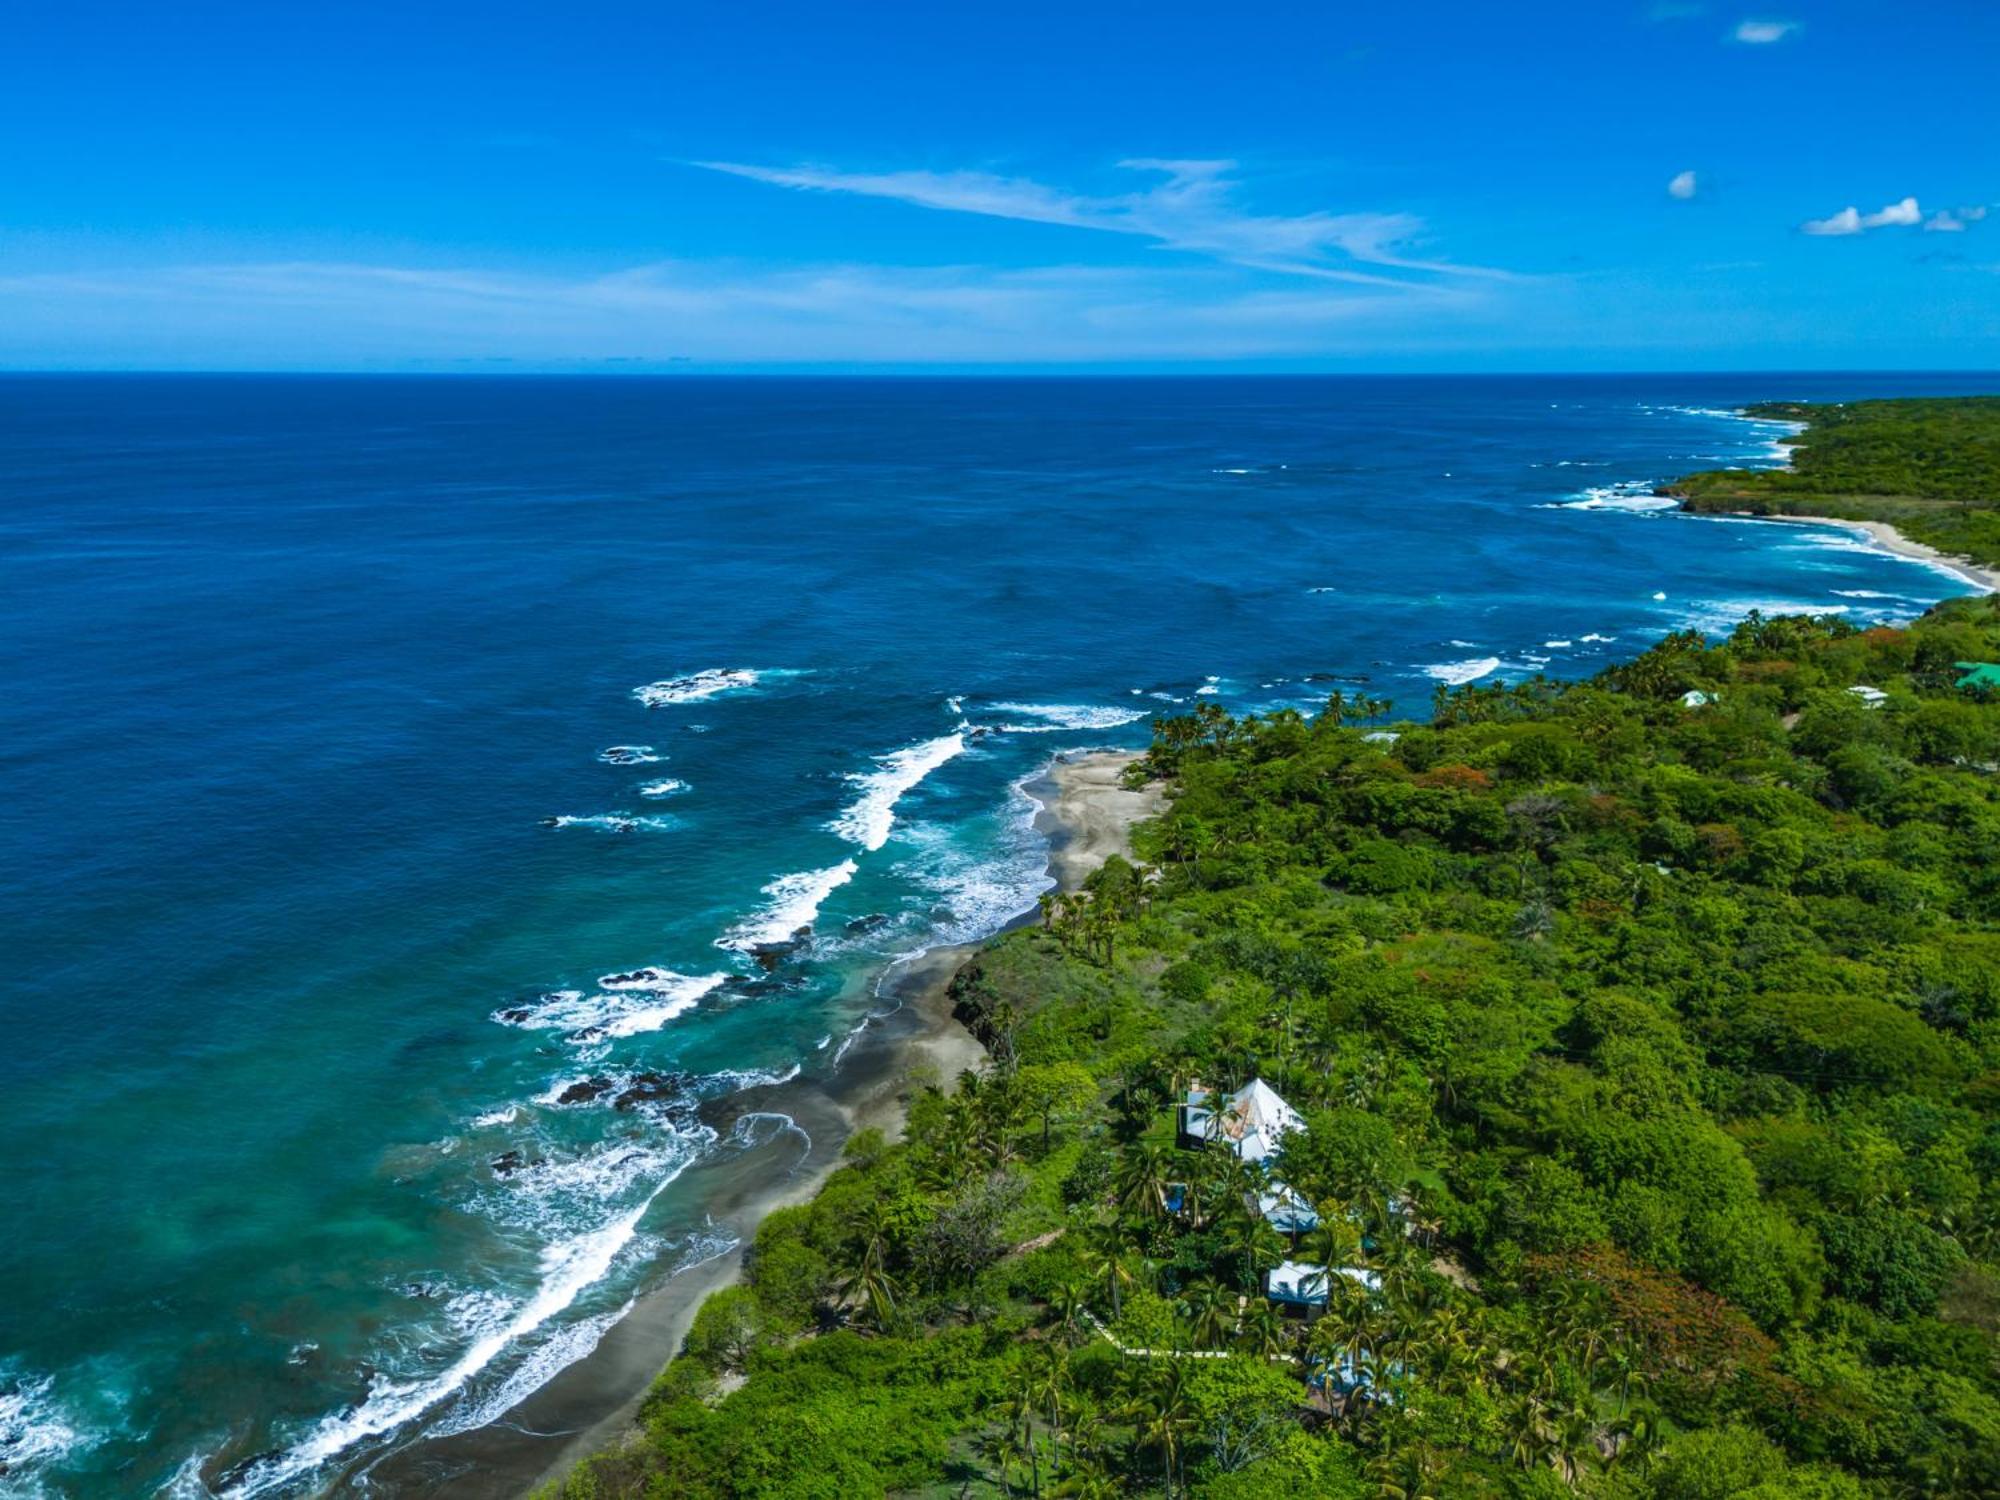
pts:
[1053, 716]
[628, 1004]
[795, 903]
[867, 820]
[568, 1267]
[1457, 673]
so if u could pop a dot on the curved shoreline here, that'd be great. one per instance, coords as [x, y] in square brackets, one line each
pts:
[1983, 578]
[1086, 813]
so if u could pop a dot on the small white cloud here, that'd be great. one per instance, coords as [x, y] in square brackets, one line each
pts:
[1955, 220]
[1904, 211]
[1847, 221]
[1763, 33]
[1683, 186]
[1851, 220]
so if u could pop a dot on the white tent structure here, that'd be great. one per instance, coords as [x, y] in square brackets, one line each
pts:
[1253, 1122]
[1305, 1285]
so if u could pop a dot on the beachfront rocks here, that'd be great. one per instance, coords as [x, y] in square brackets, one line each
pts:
[584, 1090]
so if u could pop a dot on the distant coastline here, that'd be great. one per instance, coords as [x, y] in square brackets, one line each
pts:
[1912, 475]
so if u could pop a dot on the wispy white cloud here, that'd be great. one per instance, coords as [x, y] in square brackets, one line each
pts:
[1194, 209]
[1764, 33]
[341, 315]
[1955, 220]
[1851, 220]
[1683, 186]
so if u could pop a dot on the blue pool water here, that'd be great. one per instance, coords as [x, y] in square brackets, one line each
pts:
[297, 671]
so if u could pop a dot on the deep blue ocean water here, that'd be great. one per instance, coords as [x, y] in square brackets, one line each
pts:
[296, 672]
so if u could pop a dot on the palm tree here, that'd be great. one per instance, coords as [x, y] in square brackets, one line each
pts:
[870, 1283]
[1142, 1179]
[1108, 1259]
[1530, 1438]
[1212, 1308]
[1162, 1414]
[1068, 1304]
[1262, 1330]
[1262, 1247]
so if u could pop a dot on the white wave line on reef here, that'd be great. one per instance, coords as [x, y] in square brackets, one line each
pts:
[794, 904]
[568, 1269]
[867, 820]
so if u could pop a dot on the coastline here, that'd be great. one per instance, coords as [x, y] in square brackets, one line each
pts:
[1984, 579]
[1086, 814]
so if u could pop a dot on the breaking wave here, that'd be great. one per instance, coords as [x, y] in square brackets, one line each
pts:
[869, 817]
[794, 905]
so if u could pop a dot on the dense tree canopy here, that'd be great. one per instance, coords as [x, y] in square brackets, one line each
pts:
[1649, 1057]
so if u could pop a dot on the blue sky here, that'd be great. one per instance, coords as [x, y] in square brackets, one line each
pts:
[1086, 185]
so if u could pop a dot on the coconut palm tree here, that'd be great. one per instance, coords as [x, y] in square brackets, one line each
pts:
[1110, 1264]
[1263, 1330]
[1142, 1179]
[1530, 1435]
[1211, 1308]
[1162, 1415]
[1251, 1237]
[870, 1283]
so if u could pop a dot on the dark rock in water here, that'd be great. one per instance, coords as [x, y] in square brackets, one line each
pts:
[767, 956]
[586, 1034]
[508, 1162]
[514, 1015]
[868, 923]
[633, 980]
[627, 755]
[424, 1291]
[646, 1088]
[584, 1090]
[750, 989]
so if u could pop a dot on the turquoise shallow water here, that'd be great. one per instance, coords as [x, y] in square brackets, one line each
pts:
[299, 671]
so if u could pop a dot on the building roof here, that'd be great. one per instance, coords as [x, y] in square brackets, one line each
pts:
[1874, 697]
[1254, 1122]
[1304, 1283]
[1984, 674]
[1286, 1211]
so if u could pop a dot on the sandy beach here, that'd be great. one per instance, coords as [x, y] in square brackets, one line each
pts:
[911, 1039]
[1887, 538]
[1087, 813]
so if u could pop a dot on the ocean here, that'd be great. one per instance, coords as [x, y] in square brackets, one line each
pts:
[417, 784]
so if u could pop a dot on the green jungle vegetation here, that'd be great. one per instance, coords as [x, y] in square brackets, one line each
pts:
[1649, 1057]
[1928, 467]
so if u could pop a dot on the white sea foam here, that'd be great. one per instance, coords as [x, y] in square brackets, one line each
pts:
[982, 889]
[34, 1429]
[1594, 636]
[1628, 495]
[1719, 616]
[1053, 716]
[494, 1117]
[794, 904]
[1457, 673]
[666, 786]
[1557, 645]
[1870, 594]
[623, 1008]
[869, 817]
[739, 1079]
[567, 1267]
[697, 686]
[612, 822]
[630, 755]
